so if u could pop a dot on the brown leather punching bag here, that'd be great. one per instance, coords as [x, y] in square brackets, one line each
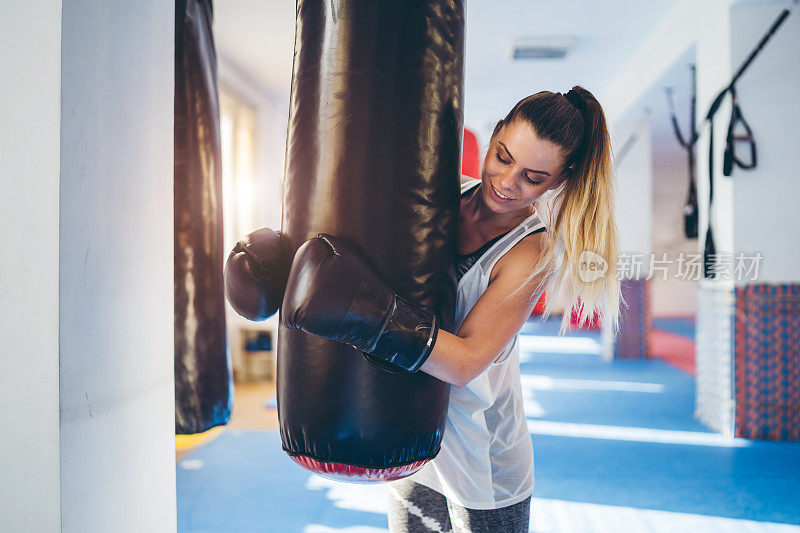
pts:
[203, 388]
[374, 156]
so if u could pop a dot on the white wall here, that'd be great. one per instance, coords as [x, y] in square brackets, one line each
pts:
[635, 191]
[706, 26]
[674, 296]
[687, 23]
[30, 52]
[116, 267]
[766, 216]
[724, 33]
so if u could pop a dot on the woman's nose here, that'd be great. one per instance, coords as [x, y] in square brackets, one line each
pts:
[507, 180]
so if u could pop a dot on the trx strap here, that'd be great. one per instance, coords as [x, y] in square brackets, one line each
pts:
[730, 159]
[690, 211]
[730, 152]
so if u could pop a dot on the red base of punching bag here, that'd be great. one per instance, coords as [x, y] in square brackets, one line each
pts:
[342, 472]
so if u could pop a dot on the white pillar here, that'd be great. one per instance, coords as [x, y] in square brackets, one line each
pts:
[86, 277]
[30, 53]
[635, 189]
[116, 267]
[634, 218]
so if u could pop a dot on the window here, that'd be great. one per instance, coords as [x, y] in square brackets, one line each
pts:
[237, 134]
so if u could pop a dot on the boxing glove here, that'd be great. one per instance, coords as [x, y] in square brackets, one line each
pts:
[256, 273]
[334, 292]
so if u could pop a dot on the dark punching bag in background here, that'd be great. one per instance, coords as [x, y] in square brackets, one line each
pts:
[373, 156]
[202, 372]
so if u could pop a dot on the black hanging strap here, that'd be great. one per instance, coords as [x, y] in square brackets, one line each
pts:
[731, 139]
[730, 159]
[710, 250]
[690, 210]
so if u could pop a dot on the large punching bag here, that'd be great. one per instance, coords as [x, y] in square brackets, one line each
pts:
[374, 156]
[203, 387]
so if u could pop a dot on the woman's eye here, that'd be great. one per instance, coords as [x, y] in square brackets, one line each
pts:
[532, 182]
[497, 154]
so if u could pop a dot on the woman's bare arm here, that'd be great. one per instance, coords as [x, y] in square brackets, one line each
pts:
[496, 317]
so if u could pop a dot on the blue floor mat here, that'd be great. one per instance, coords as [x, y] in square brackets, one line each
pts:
[679, 326]
[616, 449]
[243, 482]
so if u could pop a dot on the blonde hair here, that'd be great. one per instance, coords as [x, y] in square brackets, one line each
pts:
[579, 213]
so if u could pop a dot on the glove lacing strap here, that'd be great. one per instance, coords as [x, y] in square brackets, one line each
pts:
[414, 364]
[426, 352]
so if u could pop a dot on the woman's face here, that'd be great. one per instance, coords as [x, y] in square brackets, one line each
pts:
[519, 168]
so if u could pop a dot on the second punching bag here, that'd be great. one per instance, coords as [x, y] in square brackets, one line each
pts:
[373, 156]
[203, 385]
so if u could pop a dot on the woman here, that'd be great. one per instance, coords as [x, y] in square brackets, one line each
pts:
[551, 152]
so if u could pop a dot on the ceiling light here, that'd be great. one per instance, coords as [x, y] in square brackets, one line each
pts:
[554, 47]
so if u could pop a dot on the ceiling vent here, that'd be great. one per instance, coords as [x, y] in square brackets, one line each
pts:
[526, 48]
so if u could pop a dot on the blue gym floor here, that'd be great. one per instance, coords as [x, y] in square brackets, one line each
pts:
[679, 326]
[616, 450]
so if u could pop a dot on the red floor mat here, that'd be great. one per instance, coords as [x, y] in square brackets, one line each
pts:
[674, 349]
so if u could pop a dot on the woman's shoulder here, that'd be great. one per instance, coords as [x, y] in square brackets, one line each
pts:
[528, 248]
[520, 259]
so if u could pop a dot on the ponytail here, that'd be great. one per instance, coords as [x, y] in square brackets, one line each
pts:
[583, 232]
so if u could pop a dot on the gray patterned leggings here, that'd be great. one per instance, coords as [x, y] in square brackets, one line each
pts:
[414, 508]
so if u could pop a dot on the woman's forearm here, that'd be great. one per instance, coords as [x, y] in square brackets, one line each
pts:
[454, 360]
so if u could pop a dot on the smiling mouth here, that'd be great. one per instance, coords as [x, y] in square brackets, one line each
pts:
[501, 195]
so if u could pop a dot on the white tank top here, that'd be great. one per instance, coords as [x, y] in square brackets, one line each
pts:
[486, 459]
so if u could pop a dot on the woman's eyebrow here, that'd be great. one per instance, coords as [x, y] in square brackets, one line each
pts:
[512, 159]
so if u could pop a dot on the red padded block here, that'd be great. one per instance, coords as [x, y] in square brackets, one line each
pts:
[767, 366]
[471, 158]
[593, 323]
[538, 310]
